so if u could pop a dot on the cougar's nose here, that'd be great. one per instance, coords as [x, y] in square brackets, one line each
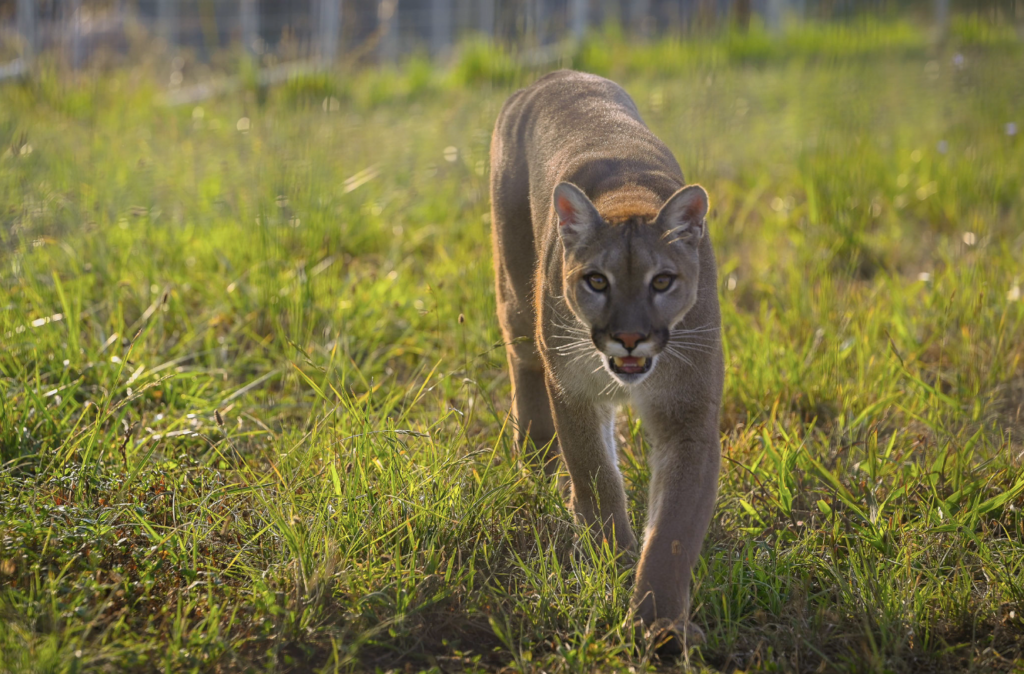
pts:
[629, 339]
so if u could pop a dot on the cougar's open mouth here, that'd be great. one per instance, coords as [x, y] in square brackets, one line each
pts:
[630, 365]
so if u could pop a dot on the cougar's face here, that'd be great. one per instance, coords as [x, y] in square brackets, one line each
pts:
[630, 283]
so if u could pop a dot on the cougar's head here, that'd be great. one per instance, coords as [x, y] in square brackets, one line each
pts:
[631, 281]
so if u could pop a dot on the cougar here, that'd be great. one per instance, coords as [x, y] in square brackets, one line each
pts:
[607, 294]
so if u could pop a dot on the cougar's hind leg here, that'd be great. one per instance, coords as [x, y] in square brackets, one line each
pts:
[531, 408]
[514, 264]
[535, 429]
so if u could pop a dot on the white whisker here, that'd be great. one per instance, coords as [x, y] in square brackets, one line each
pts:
[704, 344]
[706, 326]
[675, 353]
[696, 339]
[566, 351]
[574, 342]
[572, 352]
[577, 343]
[694, 331]
[689, 346]
[565, 322]
[572, 336]
[578, 357]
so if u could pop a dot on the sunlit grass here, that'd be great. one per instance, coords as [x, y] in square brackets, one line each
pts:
[357, 503]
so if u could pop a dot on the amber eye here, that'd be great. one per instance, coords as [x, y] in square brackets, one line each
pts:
[598, 282]
[662, 282]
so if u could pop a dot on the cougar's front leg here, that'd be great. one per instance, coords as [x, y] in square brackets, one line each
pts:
[588, 447]
[684, 461]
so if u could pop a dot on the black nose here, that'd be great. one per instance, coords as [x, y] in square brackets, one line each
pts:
[629, 339]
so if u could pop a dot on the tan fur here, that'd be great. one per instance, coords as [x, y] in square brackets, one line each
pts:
[580, 185]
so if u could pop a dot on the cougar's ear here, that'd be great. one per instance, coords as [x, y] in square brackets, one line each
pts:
[577, 216]
[683, 215]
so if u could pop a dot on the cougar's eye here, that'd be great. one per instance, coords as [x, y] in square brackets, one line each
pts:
[662, 282]
[597, 282]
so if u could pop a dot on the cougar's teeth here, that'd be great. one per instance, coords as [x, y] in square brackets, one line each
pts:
[630, 364]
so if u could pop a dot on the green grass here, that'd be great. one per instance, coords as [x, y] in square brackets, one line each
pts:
[322, 282]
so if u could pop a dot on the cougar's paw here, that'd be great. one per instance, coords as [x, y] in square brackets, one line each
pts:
[670, 639]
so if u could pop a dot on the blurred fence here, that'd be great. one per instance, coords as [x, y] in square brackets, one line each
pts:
[75, 33]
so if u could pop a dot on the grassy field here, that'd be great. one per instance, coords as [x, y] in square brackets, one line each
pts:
[253, 405]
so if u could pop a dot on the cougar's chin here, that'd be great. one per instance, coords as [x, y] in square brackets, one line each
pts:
[630, 369]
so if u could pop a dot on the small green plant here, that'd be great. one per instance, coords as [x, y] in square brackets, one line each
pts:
[976, 31]
[312, 89]
[481, 61]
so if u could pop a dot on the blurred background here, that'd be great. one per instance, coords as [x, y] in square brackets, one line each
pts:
[310, 33]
